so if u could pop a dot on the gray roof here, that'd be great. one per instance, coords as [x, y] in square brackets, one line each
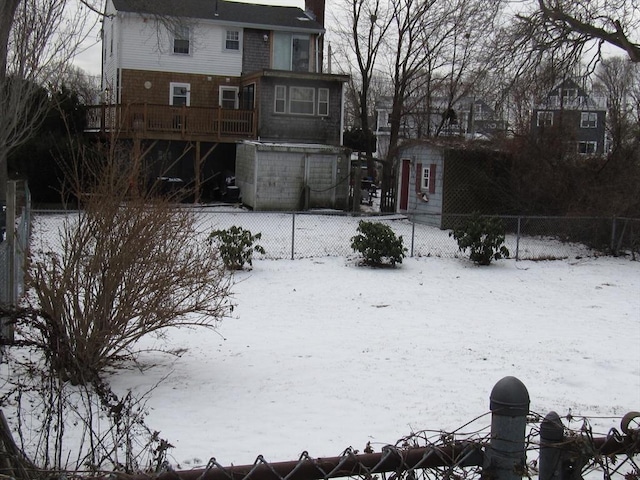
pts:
[249, 14]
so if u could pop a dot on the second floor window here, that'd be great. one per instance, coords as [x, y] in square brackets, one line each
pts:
[232, 40]
[181, 40]
[291, 52]
[588, 120]
[545, 119]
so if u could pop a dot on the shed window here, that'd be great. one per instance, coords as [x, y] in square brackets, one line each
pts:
[426, 176]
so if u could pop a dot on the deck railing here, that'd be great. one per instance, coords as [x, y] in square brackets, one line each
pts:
[147, 120]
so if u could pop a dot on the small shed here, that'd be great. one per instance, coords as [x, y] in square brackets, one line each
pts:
[440, 180]
[288, 177]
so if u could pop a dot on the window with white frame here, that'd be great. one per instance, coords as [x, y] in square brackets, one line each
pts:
[545, 119]
[301, 100]
[588, 120]
[228, 97]
[323, 102]
[179, 94]
[280, 99]
[181, 42]
[232, 40]
[426, 177]
[587, 148]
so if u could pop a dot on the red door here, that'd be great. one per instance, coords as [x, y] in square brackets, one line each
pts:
[404, 185]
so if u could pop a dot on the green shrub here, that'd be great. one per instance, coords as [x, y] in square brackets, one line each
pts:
[484, 237]
[378, 244]
[236, 246]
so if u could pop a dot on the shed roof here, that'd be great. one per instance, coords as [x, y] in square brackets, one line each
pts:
[249, 14]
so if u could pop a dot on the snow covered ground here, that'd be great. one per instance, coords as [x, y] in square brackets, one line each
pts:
[322, 354]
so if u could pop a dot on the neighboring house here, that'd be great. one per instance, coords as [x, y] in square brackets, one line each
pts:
[469, 117]
[570, 116]
[189, 81]
[441, 179]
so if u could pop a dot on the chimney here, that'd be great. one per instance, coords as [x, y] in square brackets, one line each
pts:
[315, 9]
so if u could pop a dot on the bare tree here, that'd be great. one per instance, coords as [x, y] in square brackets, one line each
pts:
[433, 48]
[127, 265]
[38, 39]
[618, 79]
[577, 31]
[362, 31]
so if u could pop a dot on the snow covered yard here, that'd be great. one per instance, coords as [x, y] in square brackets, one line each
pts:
[322, 355]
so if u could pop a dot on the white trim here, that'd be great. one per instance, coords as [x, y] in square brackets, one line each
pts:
[187, 92]
[225, 88]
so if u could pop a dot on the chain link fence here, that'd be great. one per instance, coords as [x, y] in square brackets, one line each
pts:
[14, 247]
[317, 234]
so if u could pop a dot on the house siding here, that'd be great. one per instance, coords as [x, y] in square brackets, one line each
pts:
[300, 128]
[204, 88]
[149, 47]
[256, 53]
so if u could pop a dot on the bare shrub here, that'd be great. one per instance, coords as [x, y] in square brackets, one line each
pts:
[128, 264]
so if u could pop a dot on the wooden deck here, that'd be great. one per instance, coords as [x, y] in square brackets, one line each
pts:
[165, 122]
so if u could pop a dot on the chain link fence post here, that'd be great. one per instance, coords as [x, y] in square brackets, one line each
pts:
[506, 454]
[293, 234]
[518, 238]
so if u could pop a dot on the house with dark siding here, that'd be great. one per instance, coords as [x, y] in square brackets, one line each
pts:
[572, 119]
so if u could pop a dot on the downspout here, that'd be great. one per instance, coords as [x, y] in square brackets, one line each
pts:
[318, 66]
[342, 115]
[119, 61]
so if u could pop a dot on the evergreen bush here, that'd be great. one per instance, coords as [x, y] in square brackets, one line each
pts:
[236, 246]
[484, 237]
[378, 244]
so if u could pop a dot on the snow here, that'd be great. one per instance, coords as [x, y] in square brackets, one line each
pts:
[322, 354]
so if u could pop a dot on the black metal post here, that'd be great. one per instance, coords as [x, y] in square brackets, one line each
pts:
[509, 405]
[551, 436]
